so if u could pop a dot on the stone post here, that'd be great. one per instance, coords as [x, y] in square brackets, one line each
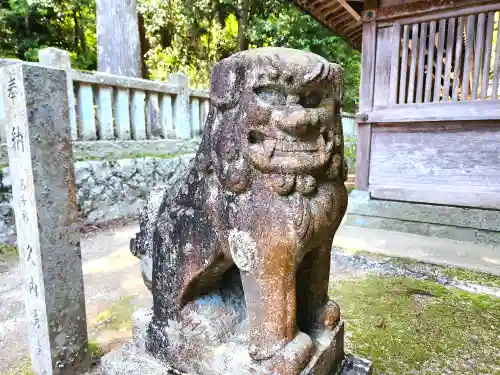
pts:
[44, 200]
[182, 118]
[60, 59]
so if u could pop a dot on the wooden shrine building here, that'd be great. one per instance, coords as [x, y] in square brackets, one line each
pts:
[428, 156]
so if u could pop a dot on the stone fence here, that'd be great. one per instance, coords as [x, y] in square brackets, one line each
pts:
[114, 116]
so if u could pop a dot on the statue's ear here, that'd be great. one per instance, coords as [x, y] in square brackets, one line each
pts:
[227, 81]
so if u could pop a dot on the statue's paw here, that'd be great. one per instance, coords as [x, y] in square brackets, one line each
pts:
[264, 350]
[294, 357]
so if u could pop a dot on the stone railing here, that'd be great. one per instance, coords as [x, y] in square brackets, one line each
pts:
[115, 117]
[121, 116]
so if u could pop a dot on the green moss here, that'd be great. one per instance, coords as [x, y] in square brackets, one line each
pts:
[419, 327]
[119, 315]
[25, 368]
[8, 252]
[472, 276]
[131, 156]
[95, 349]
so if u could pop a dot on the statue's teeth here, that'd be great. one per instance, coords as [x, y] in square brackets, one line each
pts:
[269, 147]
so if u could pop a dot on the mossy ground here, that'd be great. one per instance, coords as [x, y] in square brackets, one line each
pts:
[26, 369]
[406, 326]
[132, 156]
[8, 253]
[118, 316]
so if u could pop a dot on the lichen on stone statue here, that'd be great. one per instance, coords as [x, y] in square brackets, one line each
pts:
[241, 251]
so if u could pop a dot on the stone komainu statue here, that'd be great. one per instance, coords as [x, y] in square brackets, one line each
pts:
[241, 251]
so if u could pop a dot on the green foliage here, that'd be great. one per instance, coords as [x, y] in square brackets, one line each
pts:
[182, 35]
[191, 36]
[27, 26]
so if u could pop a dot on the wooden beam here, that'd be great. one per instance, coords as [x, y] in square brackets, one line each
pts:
[341, 17]
[351, 11]
[306, 7]
[351, 27]
[444, 111]
[428, 7]
[424, 194]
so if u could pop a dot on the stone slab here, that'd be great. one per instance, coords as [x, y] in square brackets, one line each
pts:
[360, 203]
[131, 360]
[443, 251]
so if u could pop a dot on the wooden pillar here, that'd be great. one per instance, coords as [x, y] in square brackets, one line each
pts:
[366, 104]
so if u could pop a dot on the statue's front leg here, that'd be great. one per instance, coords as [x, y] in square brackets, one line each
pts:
[270, 294]
[316, 310]
[269, 284]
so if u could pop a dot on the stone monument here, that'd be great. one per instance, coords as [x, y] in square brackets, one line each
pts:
[48, 230]
[238, 257]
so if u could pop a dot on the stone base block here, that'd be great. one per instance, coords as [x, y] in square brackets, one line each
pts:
[456, 223]
[131, 360]
[230, 358]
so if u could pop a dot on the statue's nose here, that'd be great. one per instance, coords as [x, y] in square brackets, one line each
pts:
[297, 121]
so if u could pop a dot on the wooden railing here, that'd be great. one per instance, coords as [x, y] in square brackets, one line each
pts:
[440, 65]
[448, 59]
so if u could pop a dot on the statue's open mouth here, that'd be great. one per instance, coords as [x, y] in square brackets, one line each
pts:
[271, 153]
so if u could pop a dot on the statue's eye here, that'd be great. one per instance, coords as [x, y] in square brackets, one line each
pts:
[312, 99]
[275, 96]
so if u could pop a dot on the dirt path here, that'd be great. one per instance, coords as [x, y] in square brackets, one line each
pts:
[110, 274]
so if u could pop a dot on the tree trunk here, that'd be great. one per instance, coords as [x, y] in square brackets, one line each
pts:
[242, 25]
[144, 45]
[118, 42]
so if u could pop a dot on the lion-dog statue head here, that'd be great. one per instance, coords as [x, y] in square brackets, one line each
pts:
[253, 222]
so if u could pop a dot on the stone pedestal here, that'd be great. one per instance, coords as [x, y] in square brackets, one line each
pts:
[230, 358]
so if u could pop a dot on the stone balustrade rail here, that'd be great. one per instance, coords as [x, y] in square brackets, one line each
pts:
[117, 117]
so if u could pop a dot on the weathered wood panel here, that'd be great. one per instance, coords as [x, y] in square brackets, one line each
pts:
[451, 163]
[363, 156]
[430, 61]
[439, 61]
[487, 55]
[496, 66]
[449, 59]
[471, 28]
[421, 62]
[368, 66]
[478, 54]
[413, 65]
[458, 58]
[366, 104]
[382, 67]
[404, 64]
[395, 53]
